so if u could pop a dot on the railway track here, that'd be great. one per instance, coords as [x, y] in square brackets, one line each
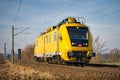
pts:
[102, 65]
[89, 64]
[90, 71]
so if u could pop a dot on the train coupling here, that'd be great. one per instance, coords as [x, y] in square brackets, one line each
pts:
[92, 54]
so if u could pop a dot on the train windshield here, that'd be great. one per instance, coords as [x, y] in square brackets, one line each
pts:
[78, 36]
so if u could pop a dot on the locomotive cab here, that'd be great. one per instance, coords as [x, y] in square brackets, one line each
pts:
[78, 41]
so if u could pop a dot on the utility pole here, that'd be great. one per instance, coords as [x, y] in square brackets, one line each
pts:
[13, 44]
[4, 51]
[13, 35]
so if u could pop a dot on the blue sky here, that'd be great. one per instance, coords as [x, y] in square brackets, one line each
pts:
[101, 15]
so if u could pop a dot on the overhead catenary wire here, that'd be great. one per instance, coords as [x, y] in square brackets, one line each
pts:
[104, 9]
[73, 3]
[99, 10]
[13, 30]
[117, 11]
[21, 31]
[108, 7]
[61, 11]
[18, 10]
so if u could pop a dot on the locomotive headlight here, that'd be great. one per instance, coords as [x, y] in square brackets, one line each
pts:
[70, 54]
[85, 44]
[74, 44]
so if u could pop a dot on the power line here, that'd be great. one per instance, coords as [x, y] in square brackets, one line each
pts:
[21, 31]
[108, 7]
[105, 8]
[117, 11]
[69, 6]
[17, 12]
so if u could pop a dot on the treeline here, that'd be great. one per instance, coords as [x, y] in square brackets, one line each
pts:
[99, 46]
[26, 54]
[112, 57]
[1, 58]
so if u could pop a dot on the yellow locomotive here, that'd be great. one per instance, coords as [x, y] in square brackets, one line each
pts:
[68, 42]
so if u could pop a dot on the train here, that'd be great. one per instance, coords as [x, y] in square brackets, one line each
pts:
[69, 42]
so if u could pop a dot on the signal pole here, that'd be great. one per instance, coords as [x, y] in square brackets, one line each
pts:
[4, 51]
[13, 44]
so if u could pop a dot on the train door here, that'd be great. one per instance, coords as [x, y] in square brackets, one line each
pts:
[44, 58]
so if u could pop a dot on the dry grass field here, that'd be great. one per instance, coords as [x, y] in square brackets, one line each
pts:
[79, 73]
[9, 71]
[44, 71]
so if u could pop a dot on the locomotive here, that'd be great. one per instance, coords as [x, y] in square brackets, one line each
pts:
[68, 42]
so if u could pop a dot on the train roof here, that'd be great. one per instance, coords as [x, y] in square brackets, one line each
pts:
[65, 21]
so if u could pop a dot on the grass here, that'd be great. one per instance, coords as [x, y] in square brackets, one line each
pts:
[9, 71]
[42, 71]
[115, 63]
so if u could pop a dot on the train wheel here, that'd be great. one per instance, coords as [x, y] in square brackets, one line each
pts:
[57, 59]
[49, 60]
[35, 58]
[66, 63]
[39, 59]
[82, 64]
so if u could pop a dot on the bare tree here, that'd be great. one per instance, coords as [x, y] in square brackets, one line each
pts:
[27, 52]
[99, 47]
[114, 55]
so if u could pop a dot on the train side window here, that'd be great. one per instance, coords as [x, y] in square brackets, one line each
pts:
[49, 38]
[54, 36]
[46, 39]
[36, 43]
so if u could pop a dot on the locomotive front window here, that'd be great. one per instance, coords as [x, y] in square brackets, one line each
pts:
[78, 36]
